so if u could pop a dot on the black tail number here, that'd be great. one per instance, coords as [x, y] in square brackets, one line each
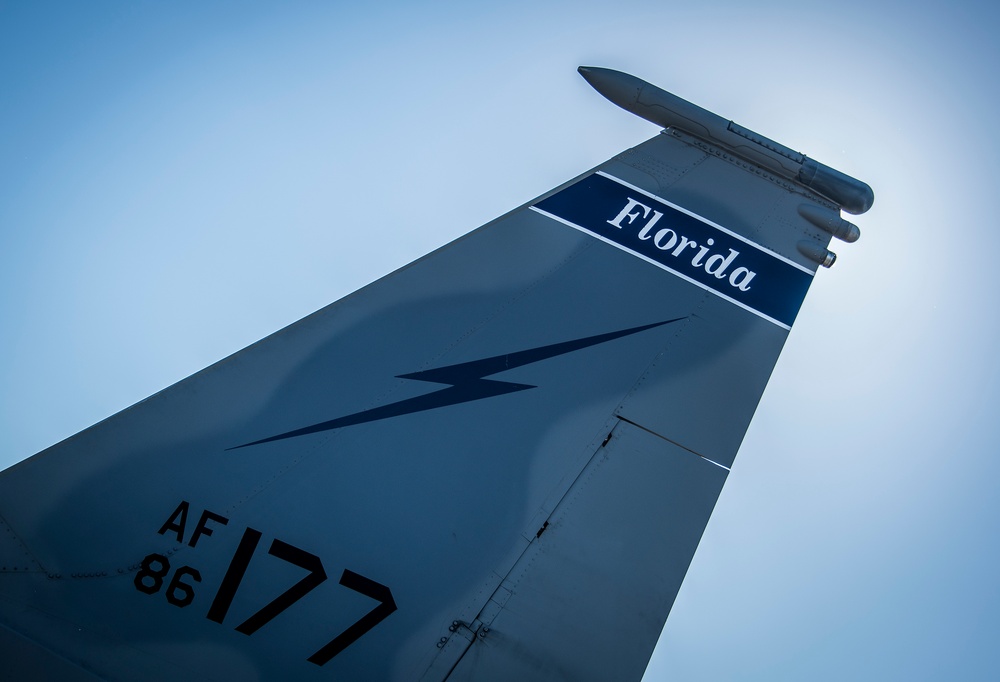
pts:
[155, 569]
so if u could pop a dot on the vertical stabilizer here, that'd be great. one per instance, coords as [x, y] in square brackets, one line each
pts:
[495, 463]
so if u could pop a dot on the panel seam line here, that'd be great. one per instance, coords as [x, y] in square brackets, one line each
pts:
[672, 442]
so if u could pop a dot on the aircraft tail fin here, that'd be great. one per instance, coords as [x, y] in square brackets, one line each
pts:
[494, 463]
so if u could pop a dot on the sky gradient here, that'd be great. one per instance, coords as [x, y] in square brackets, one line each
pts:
[178, 181]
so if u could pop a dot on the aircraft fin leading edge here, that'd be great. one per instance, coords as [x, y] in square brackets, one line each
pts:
[494, 463]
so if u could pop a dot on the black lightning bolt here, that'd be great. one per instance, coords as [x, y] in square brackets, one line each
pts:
[465, 383]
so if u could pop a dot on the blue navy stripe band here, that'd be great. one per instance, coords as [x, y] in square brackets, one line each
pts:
[702, 253]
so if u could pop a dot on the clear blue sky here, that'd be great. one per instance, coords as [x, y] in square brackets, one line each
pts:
[178, 180]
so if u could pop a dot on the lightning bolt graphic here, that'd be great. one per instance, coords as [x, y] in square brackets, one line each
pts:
[465, 383]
